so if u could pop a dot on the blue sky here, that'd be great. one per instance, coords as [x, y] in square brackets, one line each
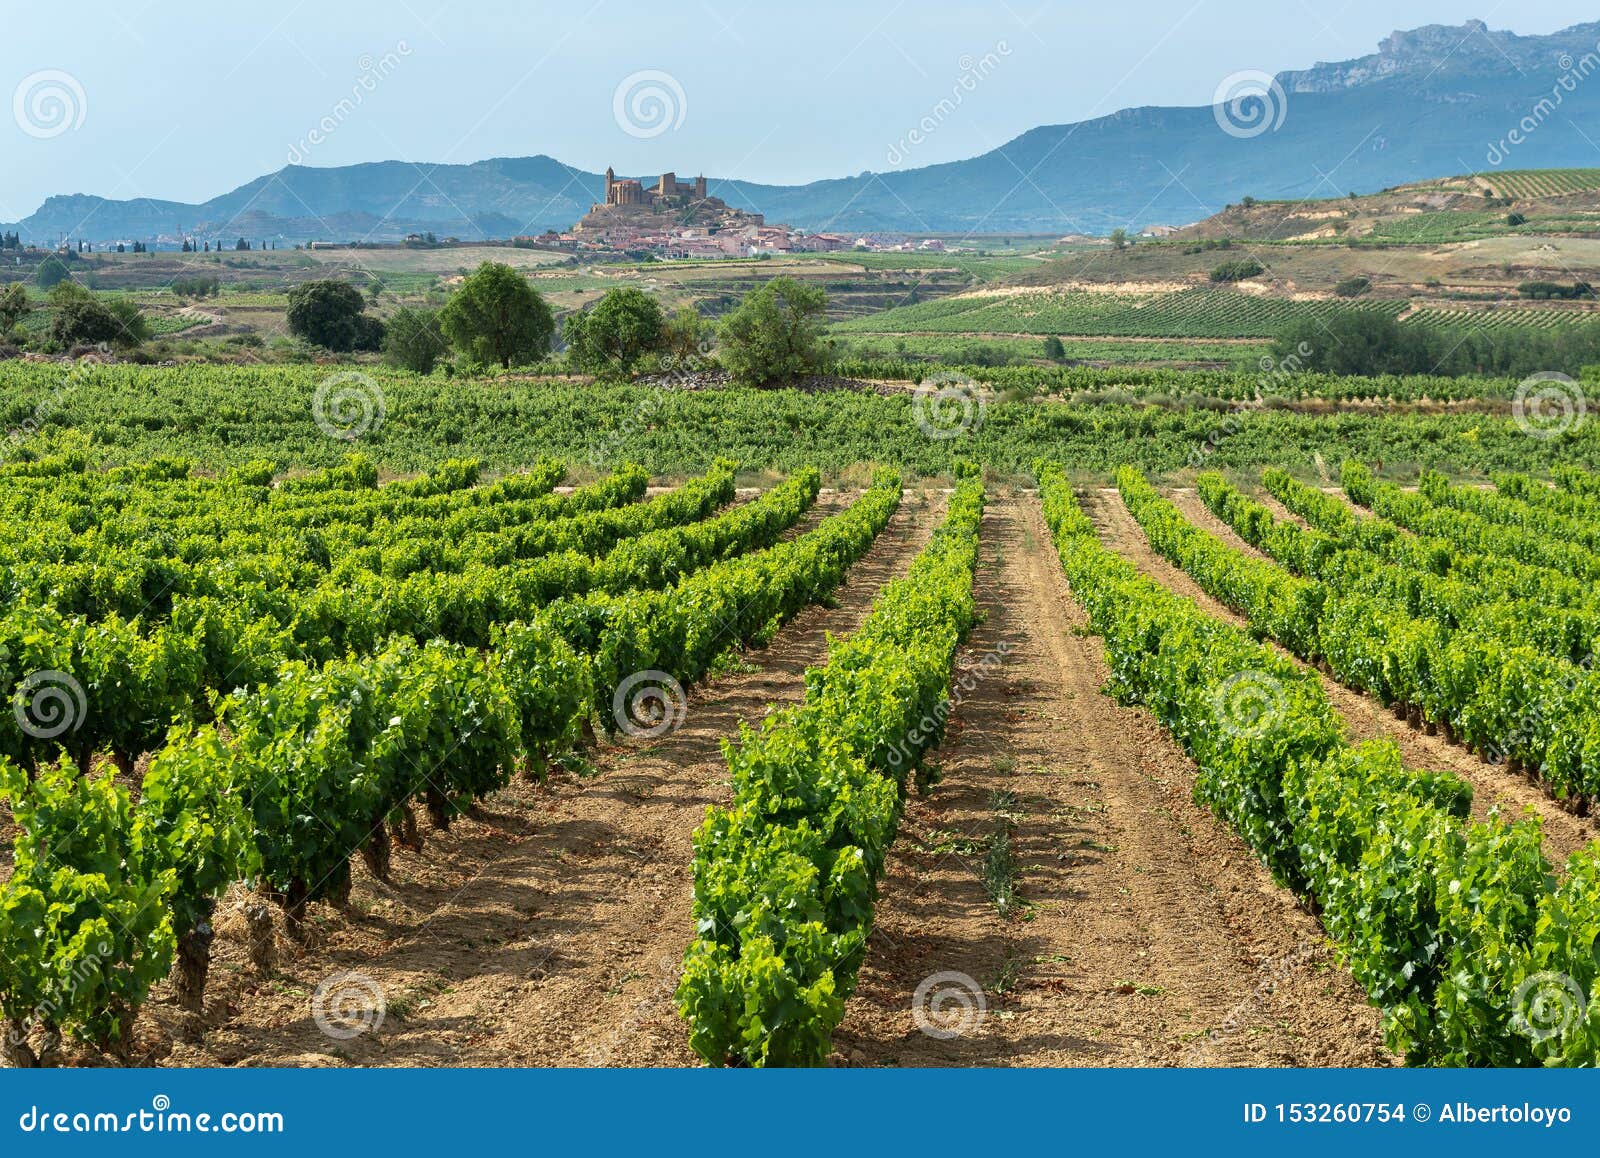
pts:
[185, 99]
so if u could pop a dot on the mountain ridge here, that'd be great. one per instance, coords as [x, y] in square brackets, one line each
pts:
[1433, 100]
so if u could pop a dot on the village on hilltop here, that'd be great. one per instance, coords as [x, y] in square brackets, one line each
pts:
[680, 220]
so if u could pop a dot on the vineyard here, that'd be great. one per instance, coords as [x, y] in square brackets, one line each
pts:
[1184, 314]
[857, 728]
[1529, 183]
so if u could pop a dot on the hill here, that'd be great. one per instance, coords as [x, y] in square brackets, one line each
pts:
[1430, 100]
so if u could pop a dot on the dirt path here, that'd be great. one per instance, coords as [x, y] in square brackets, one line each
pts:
[550, 929]
[1147, 933]
[1493, 786]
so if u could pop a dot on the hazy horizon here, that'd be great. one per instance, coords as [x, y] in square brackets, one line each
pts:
[767, 95]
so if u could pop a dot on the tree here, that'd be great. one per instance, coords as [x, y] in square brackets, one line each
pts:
[14, 306]
[497, 317]
[1053, 349]
[685, 335]
[1119, 239]
[330, 314]
[414, 340]
[776, 333]
[78, 318]
[52, 272]
[1353, 286]
[626, 327]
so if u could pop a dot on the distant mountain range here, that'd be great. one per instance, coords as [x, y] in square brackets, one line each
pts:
[1432, 101]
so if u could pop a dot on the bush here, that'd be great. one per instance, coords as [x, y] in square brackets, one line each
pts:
[1240, 270]
[414, 340]
[1353, 287]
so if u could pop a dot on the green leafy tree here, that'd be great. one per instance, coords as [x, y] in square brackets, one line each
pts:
[14, 306]
[52, 272]
[626, 327]
[1119, 239]
[331, 314]
[496, 317]
[776, 334]
[78, 318]
[1053, 349]
[413, 340]
[686, 335]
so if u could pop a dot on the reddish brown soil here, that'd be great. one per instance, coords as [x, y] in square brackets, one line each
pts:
[1148, 934]
[549, 928]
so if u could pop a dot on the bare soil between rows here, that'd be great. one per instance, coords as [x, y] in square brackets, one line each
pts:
[548, 928]
[1495, 788]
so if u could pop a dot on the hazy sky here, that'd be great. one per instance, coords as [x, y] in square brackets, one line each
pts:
[185, 99]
